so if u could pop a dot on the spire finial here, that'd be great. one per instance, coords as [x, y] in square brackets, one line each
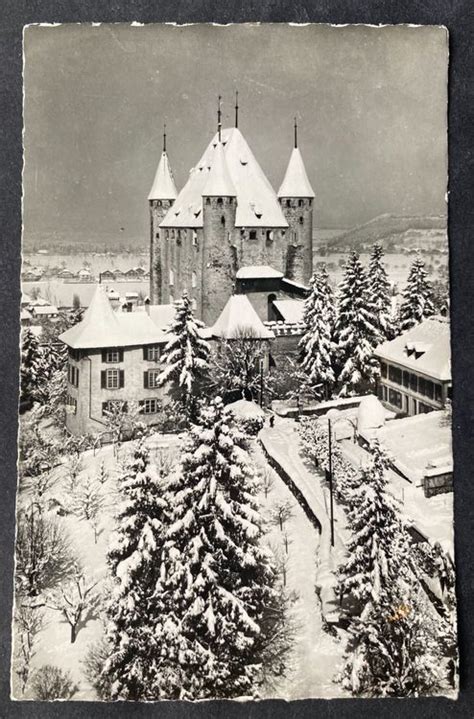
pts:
[219, 123]
[296, 133]
[236, 108]
[164, 137]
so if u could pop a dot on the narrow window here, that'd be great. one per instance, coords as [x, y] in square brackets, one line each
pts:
[253, 235]
[219, 200]
[112, 379]
[193, 280]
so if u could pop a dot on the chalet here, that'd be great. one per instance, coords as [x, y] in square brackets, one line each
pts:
[415, 368]
[66, 274]
[44, 311]
[107, 275]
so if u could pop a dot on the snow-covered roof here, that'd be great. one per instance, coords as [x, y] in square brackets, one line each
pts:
[417, 442]
[102, 327]
[243, 409]
[45, 310]
[237, 319]
[25, 315]
[218, 179]
[258, 272]
[257, 203]
[295, 182]
[290, 310]
[371, 413]
[424, 348]
[163, 187]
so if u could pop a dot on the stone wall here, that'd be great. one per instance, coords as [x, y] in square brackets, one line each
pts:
[299, 253]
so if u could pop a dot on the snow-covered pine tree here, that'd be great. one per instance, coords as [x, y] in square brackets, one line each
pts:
[380, 293]
[30, 359]
[394, 647]
[316, 348]
[376, 549]
[417, 303]
[185, 357]
[134, 561]
[217, 579]
[356, 331]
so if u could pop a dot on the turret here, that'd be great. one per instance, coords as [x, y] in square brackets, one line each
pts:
[296, 198]
[219, 262]
[162, 196]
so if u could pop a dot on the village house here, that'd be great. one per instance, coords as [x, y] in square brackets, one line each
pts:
[415, 368]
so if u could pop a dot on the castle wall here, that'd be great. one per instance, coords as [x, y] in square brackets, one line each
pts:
[219, 255]
[299, 254]
[158, 209]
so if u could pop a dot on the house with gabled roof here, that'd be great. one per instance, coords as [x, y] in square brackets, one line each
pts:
[415, 368]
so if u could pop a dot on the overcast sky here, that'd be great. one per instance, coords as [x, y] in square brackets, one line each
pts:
[371, 104]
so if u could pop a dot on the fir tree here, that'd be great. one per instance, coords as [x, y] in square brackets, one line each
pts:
[356, 331]
[216, 580]
[185, 357]
[30, 363]
[417, 303]
[380, 294]
[316, 346]
[376, 547]
[134, 561]
[394, 648]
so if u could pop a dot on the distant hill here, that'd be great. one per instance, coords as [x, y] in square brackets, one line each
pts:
[395, 233]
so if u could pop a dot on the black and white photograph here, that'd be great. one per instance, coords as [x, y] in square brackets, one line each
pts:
[235, 471]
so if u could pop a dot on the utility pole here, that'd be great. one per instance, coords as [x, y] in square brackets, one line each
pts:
[331, 501]
[261, 383]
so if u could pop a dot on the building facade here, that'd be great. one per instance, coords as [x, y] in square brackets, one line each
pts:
[227, 216]
[415, 368]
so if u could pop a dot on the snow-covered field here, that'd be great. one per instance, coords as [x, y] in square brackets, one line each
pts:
[314, 658]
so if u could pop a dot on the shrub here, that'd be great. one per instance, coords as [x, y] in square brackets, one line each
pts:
[51, 683]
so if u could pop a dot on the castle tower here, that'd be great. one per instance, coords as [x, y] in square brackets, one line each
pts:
[296, 198]
[219, 258]
[162, 196]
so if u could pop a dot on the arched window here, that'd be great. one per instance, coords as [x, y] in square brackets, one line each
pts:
[271, 314]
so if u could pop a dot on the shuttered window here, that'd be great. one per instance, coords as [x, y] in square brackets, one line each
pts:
[112, 379]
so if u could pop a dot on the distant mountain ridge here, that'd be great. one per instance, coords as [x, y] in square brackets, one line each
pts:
[393, 232]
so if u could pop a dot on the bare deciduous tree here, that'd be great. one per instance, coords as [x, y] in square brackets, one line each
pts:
[43, 553]
[76, 600]
[29, 621]
[282, 512]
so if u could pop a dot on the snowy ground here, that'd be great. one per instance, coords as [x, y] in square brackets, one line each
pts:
[315, 656]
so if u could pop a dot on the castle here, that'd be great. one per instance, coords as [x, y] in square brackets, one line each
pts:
[242, 252]
[226, 218]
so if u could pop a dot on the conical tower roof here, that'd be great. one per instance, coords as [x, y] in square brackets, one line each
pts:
[99, 327]
[296, 183]
[257, 203]
[219, 181]
[163, 187]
